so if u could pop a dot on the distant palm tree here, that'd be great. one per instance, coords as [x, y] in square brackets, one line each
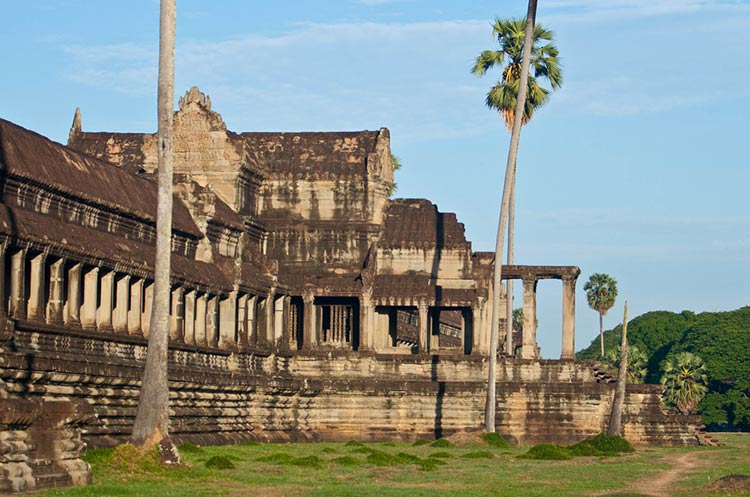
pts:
[601, 292]
[685, 381]
[503, 97]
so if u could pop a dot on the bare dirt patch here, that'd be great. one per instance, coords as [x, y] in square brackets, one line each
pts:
[731, 483]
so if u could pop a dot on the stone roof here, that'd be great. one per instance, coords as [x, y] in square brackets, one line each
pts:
[36, 159]
[95, 245]
[417, 222]
[334, 152]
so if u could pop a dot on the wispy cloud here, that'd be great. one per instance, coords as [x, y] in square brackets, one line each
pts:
[566, 11]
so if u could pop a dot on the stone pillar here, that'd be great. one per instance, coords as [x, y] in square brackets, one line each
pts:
[90, 297]
[477, 311]
[568, 319]
[278, 321]
[136, 307]
[228, 321]
[200, 320]
[106, 302]
[308, 330]
[17, 307]
[35, 310]
[148, 307]
[122, 298]
[212, 321]
[177, 315]
[190, 317]
[252, 310]
[56, 290]
[270, 308]
[528, 349]
[3, 296]
[366, 321]
[242, 338]
[73, 303]
[424, 329]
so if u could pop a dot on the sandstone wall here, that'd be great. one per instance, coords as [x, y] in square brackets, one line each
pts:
[222, 397]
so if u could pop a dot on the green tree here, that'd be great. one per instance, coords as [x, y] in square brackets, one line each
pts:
[396, 166]
[601, 292]
[151, 423]
[685, 381]
[503, 97]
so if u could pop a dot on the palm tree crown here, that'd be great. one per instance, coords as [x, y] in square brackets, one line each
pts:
[685, 380]
[601, 292]
[544, 60]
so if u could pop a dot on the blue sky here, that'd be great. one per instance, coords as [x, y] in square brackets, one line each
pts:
[637, 167]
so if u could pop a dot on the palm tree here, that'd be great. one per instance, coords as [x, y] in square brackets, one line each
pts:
[510, 173]
[637, 363]
[615, 421]
[151, 423]
[503, 98]
[601, 292]
[685, 381]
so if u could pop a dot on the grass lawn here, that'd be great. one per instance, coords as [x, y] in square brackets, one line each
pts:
[384, 470]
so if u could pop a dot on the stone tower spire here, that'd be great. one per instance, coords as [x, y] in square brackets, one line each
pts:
[76, 127]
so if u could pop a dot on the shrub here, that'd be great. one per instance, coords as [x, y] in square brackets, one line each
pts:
[602, 445]
[276, 458]
[380, 458]
[417, 443]
[495, 440]
[481, 454]
[441, 443]
[548, 452]
[219, 462]
[441, 455]
[347, 461]
[306, 462]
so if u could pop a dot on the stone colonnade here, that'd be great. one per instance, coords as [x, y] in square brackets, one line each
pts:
[61, 291]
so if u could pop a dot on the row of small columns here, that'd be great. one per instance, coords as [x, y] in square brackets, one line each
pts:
[121, 303]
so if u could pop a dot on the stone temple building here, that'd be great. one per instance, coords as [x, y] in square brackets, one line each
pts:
[305, 303]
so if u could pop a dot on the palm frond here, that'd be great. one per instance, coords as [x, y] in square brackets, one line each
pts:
[487, 60]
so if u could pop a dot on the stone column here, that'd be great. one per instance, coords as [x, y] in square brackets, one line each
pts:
[366, 321]
[17, 302]
[122, 297]
[424, 330]
[528, 349]
[56, 290]
[252, 310]
[278, 322]
[136, 308]
[477, 310]
[228, 321]
[212, 321]
[106, 302]
[73, 303]
[148, 306]
[90, 297]
[308, 328]
[177, 315]
[190, 319]
[242, 338]
[200, 320]
[568, 319]
[3, 296]
[270, 308]
[35, 310]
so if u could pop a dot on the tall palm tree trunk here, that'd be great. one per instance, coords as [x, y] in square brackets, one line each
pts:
[510, 172]
[152, 420]
[509, 283]
[601, 334]
[615, 421]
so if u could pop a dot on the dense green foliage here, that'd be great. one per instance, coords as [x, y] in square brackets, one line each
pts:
[219, 462]
[721, 339]
[495, 440]
[548, 452]
[685, 381]
[602, 445]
